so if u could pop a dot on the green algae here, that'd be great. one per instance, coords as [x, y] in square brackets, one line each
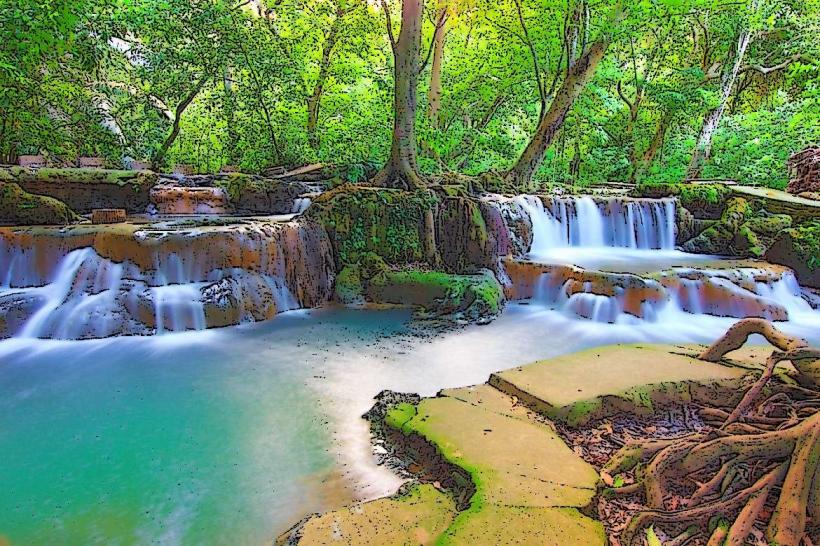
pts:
[399, 415]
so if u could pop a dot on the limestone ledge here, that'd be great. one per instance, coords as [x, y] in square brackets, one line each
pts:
[528, 486]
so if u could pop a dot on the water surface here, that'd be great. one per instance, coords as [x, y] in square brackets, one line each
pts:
[231, 436]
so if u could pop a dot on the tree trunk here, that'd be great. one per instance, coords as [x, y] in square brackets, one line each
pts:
[159, 158]
[640, 166]
[232, 156]
[703, 147]
[401, 170]
[434, 100]
[577, 78]
[315, 100]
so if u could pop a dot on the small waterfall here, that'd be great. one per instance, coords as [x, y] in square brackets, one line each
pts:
[301, 204]
[168, 282]
[586, 222]
[190, 200]
[771, 293]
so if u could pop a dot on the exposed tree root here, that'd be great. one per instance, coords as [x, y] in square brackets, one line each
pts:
[754, 470]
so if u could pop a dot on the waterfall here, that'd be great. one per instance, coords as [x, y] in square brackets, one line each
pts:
[771, 294]
[167, 282]
[559, 222]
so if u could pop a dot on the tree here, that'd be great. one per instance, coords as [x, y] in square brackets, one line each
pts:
[402, 169]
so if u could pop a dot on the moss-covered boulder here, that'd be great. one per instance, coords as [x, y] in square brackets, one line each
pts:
[799, 249]
[18, 207]
[718, 238]
[394, 224]
[455, 232]
[758, 233]
[476, 298]
[702, 200]
[87, 189]
[257, 195]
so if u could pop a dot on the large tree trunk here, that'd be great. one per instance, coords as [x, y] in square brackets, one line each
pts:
[159, 158]
[401, 170]
[434, 100]
[315, 100]
[577, 78]
[703, 147]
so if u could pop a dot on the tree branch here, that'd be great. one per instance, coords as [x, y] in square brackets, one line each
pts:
[389, 26]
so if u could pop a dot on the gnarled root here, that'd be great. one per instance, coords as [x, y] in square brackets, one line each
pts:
[757, 470]
[736, 336]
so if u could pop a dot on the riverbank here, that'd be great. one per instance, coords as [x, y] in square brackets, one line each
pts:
[491, 463]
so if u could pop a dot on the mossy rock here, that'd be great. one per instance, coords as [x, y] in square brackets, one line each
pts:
[114, 177]
[799, 249]
[386, 222]
[477, 298]
[747, 243]
[256, 195]
[86, 189]
[18, 207]
[348, 288]
[702, 200]
[769, 224]
[718, 238]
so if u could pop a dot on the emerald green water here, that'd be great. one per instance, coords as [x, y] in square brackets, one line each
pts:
[211, 438]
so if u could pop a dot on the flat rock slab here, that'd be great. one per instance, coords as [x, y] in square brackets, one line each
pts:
[529, 483]
[780, 202]
[419, 517]
[590, 384]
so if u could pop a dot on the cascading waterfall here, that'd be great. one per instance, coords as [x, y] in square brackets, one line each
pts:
[187, 281]
[613, 223]
[670, 296]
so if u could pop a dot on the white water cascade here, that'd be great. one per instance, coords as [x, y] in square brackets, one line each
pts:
[183, 281]
[639, 224]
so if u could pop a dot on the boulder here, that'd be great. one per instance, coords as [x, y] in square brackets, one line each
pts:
[18, 207]
[799, 249]
[86, 189]
[718, 238]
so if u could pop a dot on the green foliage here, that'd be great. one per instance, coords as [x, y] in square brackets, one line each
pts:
[86, 77]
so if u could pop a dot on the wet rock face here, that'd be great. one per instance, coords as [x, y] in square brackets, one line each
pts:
[147, 279]
[21, 208]
[799, 249]
[185, 200]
